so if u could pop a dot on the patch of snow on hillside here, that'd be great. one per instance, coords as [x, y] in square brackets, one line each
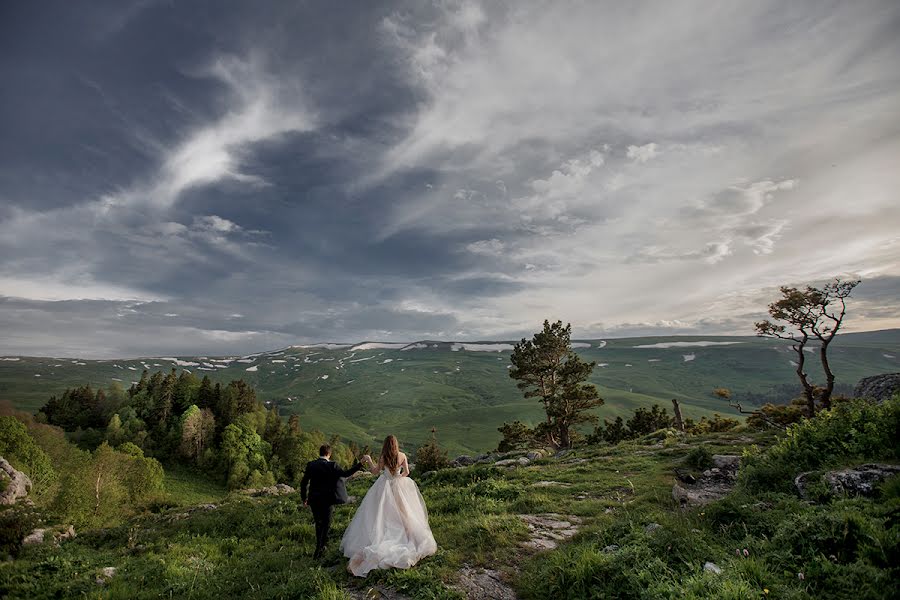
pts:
[387, 360]
[351, 381]
[252, 369]
[794, 364]
[380, 346]
[602, 344]
[602, 364]
[383, 393]
[11, 358]
[481, 347]
[246, 360]
[179, 362]
[653, 360]
[688, 357]
[324, 376]
[37, 374]
[580, 345]
[702, 344]
[279, 361]
[362, 359]
[415, 347]
[209, 366]
[115, 379]
[889, 356]
[132, 368]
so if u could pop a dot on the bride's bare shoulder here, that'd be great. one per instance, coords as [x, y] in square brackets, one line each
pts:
[402, 455]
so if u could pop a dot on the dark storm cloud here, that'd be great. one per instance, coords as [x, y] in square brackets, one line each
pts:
[231, 176]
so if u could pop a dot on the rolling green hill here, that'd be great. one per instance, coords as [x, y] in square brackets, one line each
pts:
[365, 391]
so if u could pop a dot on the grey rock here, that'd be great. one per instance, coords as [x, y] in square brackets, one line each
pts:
[464, 460]
[712, 485]
[35, 537]
[106, 573]
[878, 387]
[17, 483]
[611, 548]
[484, 584]
[652, 527]
[862, 480]
[535, 455]
[711, 567]
[547, 530]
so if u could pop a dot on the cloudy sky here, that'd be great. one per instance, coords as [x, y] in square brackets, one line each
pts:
[223, 177]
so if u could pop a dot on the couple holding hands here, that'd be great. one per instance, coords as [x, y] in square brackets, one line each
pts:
[390, 527]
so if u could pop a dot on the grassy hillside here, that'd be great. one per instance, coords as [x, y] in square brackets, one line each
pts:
[633, 541]
[362, 393]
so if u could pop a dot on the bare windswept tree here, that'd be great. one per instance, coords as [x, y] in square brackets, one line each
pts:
[810, 315]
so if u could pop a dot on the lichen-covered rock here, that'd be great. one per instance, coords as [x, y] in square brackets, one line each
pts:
[878, 387]
[856, 481]
[513, 462]
[17, 483]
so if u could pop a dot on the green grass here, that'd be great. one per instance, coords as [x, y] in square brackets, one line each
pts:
[185, 486]
[261, 548]
[418, 389]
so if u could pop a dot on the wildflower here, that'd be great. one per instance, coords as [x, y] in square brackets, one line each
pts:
[766, 591]
[746, 553]
[737, 551]
[800, 576]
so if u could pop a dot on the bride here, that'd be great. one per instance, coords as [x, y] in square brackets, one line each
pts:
[390, 527]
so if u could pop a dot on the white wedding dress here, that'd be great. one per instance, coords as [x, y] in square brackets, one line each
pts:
[390, 527]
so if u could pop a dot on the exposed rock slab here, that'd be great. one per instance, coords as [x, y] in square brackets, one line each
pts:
[17, 483]
[856, 481]
[878, 387]
[712, 485]
[484, 584]
[546, 531]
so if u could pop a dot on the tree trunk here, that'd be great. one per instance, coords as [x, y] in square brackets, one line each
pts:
[679, 422]
[808, 390]
[829, 376]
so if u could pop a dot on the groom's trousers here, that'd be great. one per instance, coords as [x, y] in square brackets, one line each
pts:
[322, 518]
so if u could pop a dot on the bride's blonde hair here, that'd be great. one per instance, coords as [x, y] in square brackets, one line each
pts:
[390, 453]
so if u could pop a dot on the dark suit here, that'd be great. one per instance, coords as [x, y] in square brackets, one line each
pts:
[324, 479]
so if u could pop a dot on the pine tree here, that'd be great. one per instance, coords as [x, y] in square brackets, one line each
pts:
[547, 368]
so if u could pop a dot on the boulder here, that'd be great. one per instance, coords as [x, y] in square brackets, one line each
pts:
[462, 460]
[547, 530]
[17, 483]
[55, 535]
[862, 480]
[273, 490]
[711, 567]
[652, 527]
[878, 387]
[535, 455]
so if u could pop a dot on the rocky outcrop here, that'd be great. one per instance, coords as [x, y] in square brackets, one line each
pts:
[14, 485]
[51, 534]
[463, 460]
[546, 531]
[513, 462]
[878, 387]
[484, 584]
[856, 481]
[713, 484]
[272, 490]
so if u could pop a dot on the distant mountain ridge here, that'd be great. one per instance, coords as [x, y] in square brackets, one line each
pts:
[364, 390]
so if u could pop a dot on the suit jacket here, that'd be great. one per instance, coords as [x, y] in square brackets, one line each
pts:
[325, 480]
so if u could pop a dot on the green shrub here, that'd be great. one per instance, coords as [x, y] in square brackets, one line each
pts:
[23, 453]
[431, 457]
[699, 458]
[855, 430]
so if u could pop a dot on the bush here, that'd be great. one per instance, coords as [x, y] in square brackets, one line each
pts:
[779, 414]
[23, 453]
[857, 430]
[516, 436]
[715, 425]
[431, 457]
[699, 458]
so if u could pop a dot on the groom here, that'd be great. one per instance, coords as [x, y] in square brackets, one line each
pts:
[326, 488]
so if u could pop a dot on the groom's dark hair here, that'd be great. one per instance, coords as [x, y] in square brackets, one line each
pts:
[324, 450]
